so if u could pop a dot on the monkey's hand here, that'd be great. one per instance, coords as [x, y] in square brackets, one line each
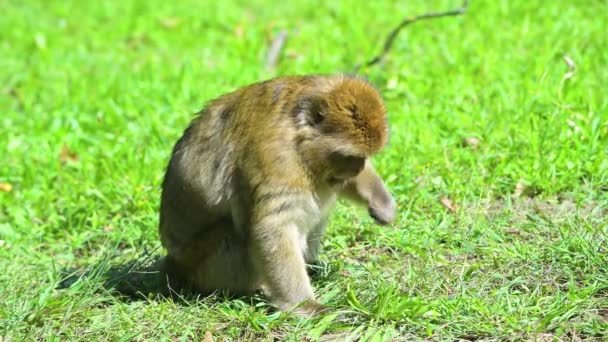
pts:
[311, 308]
[368, 189]
[383, 209]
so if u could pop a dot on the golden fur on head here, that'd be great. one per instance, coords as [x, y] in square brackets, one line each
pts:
[356, 109]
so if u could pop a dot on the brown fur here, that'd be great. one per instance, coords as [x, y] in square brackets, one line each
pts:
[252, 181]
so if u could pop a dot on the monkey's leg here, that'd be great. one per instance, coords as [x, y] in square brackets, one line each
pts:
[217, 259]
[229, 268]
[314, 240]
[311, 256]
[278, 257]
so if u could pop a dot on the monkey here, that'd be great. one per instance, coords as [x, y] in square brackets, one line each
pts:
[251, 183]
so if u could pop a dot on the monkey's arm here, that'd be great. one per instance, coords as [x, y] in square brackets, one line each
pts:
[368, 189]
[277, 254]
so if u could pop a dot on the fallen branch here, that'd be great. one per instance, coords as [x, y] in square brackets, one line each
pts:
[388, 44]
[272, 57]
[571, 71]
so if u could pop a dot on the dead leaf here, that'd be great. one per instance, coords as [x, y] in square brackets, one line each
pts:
[420, 179]
[293, 55]
[448, 204]
[170, 22]
[208, 336]
[137, 40]
[274, 52]
[40, 41]
[571, 68]
[544, 337]
[12, 92]
[108, 228]
[514, 231]
[519, 189]
[471, 142]
[239, 31]
[6, 187]
[67, 155]
[345, 273]
[332, 337]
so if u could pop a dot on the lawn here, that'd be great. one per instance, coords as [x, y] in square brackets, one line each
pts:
[497, 157]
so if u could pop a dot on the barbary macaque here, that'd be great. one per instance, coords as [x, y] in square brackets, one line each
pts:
[252, 181]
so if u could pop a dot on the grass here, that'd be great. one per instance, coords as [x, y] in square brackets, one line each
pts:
[94, 94]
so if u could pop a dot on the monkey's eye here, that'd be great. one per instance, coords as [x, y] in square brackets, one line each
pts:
[311, 109]
[315, 118]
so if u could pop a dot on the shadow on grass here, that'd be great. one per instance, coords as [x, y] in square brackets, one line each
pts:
[145, 278]
[142, 278]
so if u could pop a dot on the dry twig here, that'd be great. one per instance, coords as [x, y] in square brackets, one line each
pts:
[272, 57]
[407, 21]
[448, 204]
[571, 71]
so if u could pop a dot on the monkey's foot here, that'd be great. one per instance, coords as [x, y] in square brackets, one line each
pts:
[311, 309]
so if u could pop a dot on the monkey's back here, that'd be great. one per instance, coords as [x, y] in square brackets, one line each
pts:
[246, 134]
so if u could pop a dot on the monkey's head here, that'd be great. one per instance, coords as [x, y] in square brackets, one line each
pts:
[341, 128]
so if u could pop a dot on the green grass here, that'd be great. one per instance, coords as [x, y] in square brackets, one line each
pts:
[116, 82]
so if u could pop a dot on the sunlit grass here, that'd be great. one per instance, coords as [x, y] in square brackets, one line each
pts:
[93, 96]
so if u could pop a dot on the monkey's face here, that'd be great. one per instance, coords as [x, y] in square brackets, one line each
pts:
[330, 160]
[354, 118]
[337, 153]
[343, 167]
[341, 129]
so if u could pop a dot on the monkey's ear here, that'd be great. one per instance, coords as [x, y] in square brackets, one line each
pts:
[311, 109]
